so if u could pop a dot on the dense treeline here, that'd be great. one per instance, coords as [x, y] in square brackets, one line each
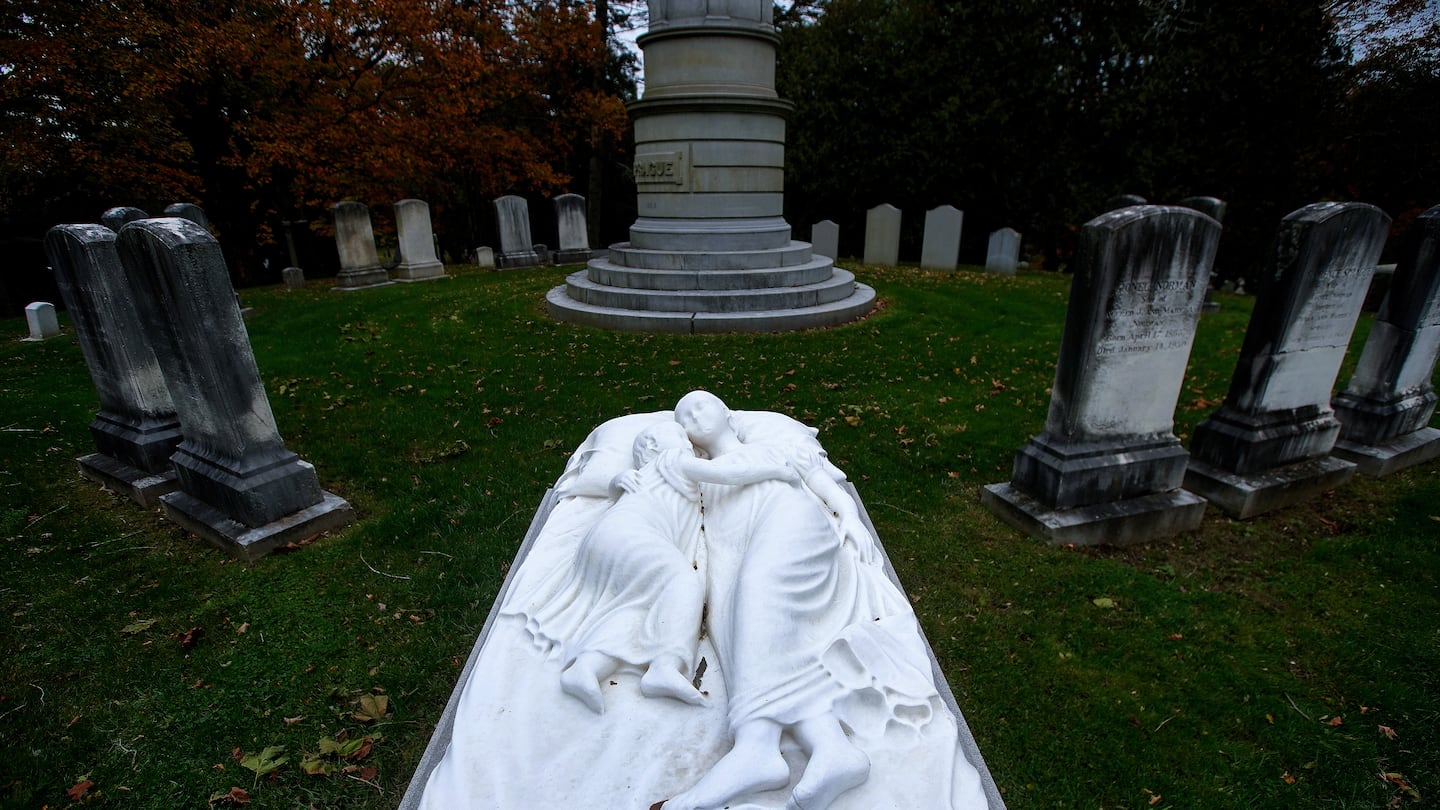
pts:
[1033, 113]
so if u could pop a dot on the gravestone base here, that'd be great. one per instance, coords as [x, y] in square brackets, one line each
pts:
[1254, 443]
[1245, 496]
[1117, 523]
[1380, 460]
[572, 256]
[350, 280]
[250, 544]
[513, 261]
[140, 486]
[424, 271]
[1070, 475]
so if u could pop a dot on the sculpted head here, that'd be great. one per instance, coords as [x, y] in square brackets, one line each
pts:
[704, 417]
[657, 438]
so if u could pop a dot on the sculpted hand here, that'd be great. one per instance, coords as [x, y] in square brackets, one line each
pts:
[854, 530]
[628, 481]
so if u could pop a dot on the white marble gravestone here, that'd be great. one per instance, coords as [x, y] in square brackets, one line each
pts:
[825, 239]
[40, 318]
[240, 488]
[1002, 254]
[512, 223]
[1108, 467]
[485, 257]
[136, 428]
[593, 685]
[355, 240]
[1269, 443]
[941, 248]
[572, 229]
[417, 243]
[882, 235]
[1385, 410]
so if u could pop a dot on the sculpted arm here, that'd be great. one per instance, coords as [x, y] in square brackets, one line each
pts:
[735, 471]
[852, 528]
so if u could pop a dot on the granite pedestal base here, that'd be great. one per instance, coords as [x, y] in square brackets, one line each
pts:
[1392, 456]
[140, 486]
[351, 280]
[426, 271]
[1117, 523]
[1245, 496]
[249, 544]
[571, 256]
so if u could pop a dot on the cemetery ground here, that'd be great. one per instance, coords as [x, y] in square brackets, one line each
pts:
[1287, 661]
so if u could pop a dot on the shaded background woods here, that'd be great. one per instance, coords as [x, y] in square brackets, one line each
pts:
[1020, 112]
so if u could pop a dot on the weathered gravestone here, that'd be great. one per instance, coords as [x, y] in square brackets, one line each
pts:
[1124, 201]
[941, 248]
[355, 240]
[825, 239]
[485, 257]
[115, 218]
[596, 656]
[294, 278]
[1385, 411]
[189, 211]
[512, 224]
[240, 487]
[1269, 443]
[417, 243]
[40, 318]
[1002, 254]
[1108, 467]
[882, 235]
[572, 229]
[1214, 208]
[136, 429]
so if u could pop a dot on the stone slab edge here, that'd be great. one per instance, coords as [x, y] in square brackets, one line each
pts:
[440, 740]
[232, 536]
[563, 308]
[144, 488]
[1118, 523]
[1245, 496]
[1404, 451]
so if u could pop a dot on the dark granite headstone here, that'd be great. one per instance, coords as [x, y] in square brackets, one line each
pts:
[1385, 411]
[189, 211]
[512, 222]
[355, 240]
[115, 218]
[1108, 467]
[1269, 444]
[240, 487]
[136, 428]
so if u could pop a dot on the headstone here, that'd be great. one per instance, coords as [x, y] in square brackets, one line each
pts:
[417, 243]
[1002, 253]
[136, 429]
[115, 218]
[882, 235]
[40, 317]
[189, 211]
[512, 222]
[240, 487]
[1214, 208]
[573, 231]
[1124, 201]
[941, 248]
[294, 278]
[1269, 444]
[1385, 410]
[355, 240]
[485, 257]
[825, 239]
[592, 653]
[1108, 467]
[543, 252]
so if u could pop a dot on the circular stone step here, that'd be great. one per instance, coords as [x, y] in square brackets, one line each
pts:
[627, 255]
[839, 286]
[609, 273]
[565, 309]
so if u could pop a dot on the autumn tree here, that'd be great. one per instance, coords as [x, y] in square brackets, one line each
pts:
[264, 110]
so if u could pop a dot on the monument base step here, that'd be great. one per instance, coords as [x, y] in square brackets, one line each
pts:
[409, 273]
[564, 308]
[1392, 456]
[249, 544]
[1245, 496]
[1117, 523]
[140, 486]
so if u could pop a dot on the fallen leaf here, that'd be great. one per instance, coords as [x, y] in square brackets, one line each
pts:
[1335, 721]
[1389, 733]
[290, 721]
[368, 773]
[266, 762]
[1289, 780]
[136, 627]
[234, 795]
[80, 788]
[242, 628]
[191, 637]
[1103, 602]
[372, 708]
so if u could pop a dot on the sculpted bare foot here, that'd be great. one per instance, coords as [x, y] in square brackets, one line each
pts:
[739, 772]
[581, 680]
[829, 774]
[660, 681]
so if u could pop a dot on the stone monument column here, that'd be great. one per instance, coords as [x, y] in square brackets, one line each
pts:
[711, 250]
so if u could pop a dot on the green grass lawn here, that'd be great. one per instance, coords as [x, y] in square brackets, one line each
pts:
[1288, 661]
